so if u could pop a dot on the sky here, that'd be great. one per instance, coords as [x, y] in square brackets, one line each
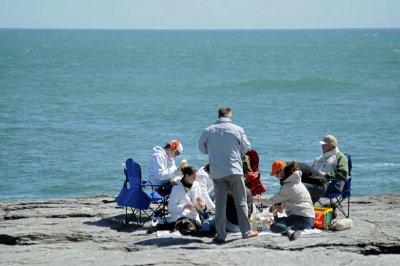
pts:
[199, 14]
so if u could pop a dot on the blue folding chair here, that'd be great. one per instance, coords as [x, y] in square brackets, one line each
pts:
[336, 199]
[133, 196]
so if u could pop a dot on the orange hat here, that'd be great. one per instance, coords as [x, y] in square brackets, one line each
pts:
[176, 145]
[276, 166]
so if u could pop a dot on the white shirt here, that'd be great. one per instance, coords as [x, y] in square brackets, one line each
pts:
[326, 162]
[160, 168]
[206, 186]
[179, 197]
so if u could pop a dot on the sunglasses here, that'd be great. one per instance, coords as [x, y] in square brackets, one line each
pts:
[177, 153]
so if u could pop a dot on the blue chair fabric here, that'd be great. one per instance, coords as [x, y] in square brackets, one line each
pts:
[132, 196]
[336, 200]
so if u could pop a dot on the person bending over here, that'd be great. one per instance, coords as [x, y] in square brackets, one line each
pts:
[295, 199]
[311, 178]
[162, 168]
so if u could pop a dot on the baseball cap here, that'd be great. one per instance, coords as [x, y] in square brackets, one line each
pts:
[176, 145]
[329, 139]
[276, 166]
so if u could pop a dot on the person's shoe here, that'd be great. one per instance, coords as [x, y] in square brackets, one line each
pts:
[252, 234]
[293, 236]
[216, 240]
[151, 230]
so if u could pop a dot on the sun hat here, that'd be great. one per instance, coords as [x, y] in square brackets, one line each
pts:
[276, 166]
[329, 139]
[176, 145]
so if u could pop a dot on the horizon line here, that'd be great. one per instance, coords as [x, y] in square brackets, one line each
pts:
[200, 29]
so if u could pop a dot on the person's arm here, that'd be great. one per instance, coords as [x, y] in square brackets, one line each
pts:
[203, 142]
[174, 206]
[342, 169]
[195, 196]
[279, 197]
[202, 181]
[245, 144]
[162, 172]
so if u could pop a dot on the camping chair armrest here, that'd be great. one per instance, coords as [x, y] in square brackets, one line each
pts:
[146, 183]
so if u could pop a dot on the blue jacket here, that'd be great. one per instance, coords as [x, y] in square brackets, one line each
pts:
[224, 142]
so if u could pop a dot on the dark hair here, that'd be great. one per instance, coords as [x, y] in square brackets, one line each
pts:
[289, 169]
[187, 171]
[207, 168]
[224, 112]
[167, 146]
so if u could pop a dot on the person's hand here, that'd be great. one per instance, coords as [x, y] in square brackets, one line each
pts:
[279, 208]
[271, 209]
[276, 208]
[178, 169]
[269, 222]
[200, 203]
[257, 199]
[189, 206]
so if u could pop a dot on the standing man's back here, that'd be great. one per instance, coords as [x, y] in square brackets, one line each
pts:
[225, 142]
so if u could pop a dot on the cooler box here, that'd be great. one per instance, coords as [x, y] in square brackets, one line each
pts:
[323, 217]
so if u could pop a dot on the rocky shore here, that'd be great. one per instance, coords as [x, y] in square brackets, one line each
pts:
[90, 230]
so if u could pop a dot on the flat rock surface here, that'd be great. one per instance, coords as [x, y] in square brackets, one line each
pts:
[90, 230]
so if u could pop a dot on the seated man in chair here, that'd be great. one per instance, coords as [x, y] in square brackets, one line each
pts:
[162, 168]
[332, 164]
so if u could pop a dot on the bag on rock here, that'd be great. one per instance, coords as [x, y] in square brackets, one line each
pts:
[341, 224]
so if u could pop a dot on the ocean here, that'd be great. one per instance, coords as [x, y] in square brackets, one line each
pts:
[75, 104]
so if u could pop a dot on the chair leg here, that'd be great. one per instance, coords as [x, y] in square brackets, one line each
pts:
[126, 215]
[333, 205]
[348, 208]
[164, 203]
[140, 219]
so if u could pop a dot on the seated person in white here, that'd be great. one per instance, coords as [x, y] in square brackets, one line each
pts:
[206, 186]
[162, 168]
[184, 200]
[333, 164]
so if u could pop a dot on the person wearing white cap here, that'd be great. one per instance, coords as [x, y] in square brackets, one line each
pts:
[332, 164]
[162, 168]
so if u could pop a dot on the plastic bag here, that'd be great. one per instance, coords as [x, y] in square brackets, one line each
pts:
[341, 224]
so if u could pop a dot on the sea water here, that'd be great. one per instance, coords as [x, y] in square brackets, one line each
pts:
[75, 104]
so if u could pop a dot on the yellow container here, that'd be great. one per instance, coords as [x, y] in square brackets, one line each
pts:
[323, 217]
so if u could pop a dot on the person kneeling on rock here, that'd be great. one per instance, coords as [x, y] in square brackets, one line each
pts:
[295, 199]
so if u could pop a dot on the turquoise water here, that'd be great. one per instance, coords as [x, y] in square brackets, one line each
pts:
[76, 103]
